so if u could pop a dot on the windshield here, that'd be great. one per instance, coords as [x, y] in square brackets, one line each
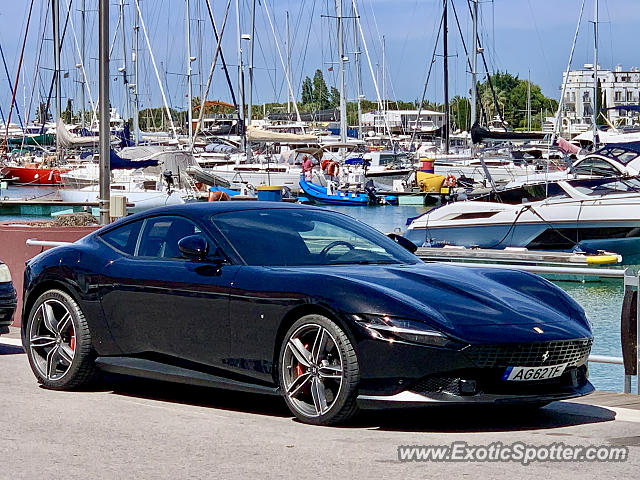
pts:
[285, 237]
[607, 186]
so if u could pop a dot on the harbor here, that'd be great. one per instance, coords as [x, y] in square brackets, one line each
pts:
[473, 249]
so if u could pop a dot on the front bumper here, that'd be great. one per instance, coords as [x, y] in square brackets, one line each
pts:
[487, 391]
[8, 303]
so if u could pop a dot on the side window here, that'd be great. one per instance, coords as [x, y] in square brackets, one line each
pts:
[124, 238]
[596, 167]
[160, 236]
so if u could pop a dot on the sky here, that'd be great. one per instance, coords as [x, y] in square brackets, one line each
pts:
[524, 37]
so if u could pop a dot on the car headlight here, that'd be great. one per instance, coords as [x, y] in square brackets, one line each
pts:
[385, 327]
[5, 274]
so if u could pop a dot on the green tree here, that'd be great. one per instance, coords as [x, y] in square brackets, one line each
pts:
[42, 115]
[334, 98]
[320, 91]
[460, 113]
[601, 103]
[307, 91]
[67, 115]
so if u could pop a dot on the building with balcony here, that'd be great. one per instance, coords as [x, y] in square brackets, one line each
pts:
[403, 122]
[619, 87]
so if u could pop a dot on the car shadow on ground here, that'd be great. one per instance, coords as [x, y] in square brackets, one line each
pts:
[433, 419]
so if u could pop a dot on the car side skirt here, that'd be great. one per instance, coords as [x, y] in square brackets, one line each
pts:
[140, 367]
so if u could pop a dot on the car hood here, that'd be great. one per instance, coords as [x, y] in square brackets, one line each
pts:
[461, 299]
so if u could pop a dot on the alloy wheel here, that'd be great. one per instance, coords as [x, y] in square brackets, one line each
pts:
[314, 372]
[52, 339]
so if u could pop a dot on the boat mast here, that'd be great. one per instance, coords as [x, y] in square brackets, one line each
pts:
[595, 75]
[384, 77]
[252, 33]
[474, 66]
[187, 21]
[529, 102]
[55, 10]
[241, 124]
[105, 133]
[343, 101]
[250, 96]
[134, 58]
[288, 62]
[82, 80]
[445, 48]
[356, 54]
[123, 68]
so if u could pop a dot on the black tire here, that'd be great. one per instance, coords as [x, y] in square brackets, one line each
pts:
[81, 370]
[343, 403]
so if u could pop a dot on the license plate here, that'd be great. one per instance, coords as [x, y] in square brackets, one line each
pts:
[527, 374]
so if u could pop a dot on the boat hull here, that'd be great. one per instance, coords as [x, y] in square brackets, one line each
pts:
[34, 176]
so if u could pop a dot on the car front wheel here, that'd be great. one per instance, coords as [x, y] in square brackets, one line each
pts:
[58, 342]
[319, 371]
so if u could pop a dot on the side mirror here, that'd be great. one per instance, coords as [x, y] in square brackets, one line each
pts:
[403, 242]
[194, 246]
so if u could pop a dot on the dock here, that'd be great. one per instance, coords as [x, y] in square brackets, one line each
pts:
[45, 208]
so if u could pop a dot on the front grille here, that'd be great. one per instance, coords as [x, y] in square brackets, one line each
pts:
[556, 352]
[429, 385]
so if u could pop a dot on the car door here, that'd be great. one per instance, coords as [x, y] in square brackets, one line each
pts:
[161, 304]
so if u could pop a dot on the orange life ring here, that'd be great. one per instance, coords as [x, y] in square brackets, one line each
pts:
[331, 167]
[450, 181]
[218, 196]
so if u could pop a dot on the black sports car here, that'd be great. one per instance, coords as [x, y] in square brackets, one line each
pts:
[7, 299]
[297, 301]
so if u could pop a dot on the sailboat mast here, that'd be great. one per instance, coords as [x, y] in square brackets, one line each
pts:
[343, 101]
[251, 33]
[595, 75]
[445, 48]
[187, 20]
[288, 62]
[82, 57]
[356, 54]
[474, 66]
[105, 133]
[529, 102]
[384, 77]
[55, 10]
[241, 126]
[136, 104]
[124, 62]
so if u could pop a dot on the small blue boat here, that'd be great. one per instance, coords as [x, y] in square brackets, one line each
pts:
[318, 194]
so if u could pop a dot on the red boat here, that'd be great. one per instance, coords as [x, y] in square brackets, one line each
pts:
[33, 174]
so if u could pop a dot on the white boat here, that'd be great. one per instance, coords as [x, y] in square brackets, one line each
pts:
[587, 214]
[142, 194]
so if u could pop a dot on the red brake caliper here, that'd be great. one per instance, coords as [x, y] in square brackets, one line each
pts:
[72, 343]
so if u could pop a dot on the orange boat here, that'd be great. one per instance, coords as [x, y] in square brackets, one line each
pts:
[34, 174]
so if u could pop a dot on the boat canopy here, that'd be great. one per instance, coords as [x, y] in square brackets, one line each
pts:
[260, 135]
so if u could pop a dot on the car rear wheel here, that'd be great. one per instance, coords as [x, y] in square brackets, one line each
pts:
[58, 342]
[319, 371]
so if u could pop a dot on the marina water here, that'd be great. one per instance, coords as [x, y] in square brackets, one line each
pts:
[602, 300]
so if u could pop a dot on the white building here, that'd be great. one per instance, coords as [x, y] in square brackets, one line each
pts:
[619, 87]
[402, 121]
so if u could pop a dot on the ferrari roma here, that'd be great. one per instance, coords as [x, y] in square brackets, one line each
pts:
[300, 302]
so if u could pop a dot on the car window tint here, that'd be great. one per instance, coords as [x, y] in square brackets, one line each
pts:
[279, 237]
[161, 235]
[123, 238]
